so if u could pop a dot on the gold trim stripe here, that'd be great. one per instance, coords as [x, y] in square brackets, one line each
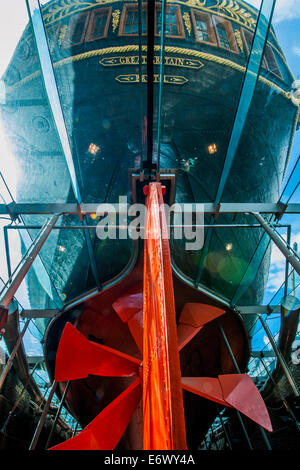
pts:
[168, 49]
[188, 4]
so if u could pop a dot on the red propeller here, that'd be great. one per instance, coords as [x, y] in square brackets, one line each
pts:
[151, 318]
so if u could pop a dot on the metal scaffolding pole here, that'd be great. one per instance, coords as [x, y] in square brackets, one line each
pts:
[42, 418]
[27, 261]
[17, 209]
[75, 429]
[287, 265]
[15, 406]
[279, 393]
[281, 359]
[16, 280]
[57, 415]
[281, 245]
[12, 356]
[263, 433]
[224, 429]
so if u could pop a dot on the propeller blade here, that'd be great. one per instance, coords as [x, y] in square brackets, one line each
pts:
[105, 431]
[77, 357]
[192, 319]
[129, 307]
[233, 390]
[129, 303]
[206, 387]
[241, 393]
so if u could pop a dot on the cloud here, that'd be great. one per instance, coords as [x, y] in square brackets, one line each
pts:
[296, 50]
[277, 266]
[284, 9]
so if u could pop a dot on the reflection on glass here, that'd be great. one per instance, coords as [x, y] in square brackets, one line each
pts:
[202, 29]
[132, 21]
[172, 26]
[224, 42]
[98, 24]
[76, 30]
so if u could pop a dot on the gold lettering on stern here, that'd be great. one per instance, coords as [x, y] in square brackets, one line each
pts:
[135, 78]
[134, 60]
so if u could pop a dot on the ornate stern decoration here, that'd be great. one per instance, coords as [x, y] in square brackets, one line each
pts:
[115, 19]
[239, 40]
[187, 21]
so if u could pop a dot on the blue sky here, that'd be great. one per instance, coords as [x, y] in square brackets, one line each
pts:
[287, 28]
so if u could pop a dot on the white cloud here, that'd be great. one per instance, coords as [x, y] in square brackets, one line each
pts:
[284, 9]
[296, 50]
[277, 266]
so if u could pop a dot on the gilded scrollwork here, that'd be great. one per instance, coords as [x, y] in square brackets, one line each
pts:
[61, 8]
[62, 34]
[187, 21]
[115, 19]
[231, 9]
[239, 40]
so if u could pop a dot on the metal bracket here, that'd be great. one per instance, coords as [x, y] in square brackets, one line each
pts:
[10, 210]
[216, 214]
[137, 180]
[279, 215]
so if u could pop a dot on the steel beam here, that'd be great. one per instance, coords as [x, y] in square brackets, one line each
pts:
[57, 415]
[280, 358]
[13, 354]
[289, 254]
[263, 433]
[26, 262]
[39, 313]
[125, 227]
[35, 360]
[206, 207]
[260, 354]
[257, 309]
[51, 313]
[42, 418]
[279, 392]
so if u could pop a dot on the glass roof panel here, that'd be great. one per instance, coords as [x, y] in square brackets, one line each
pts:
[32, 161]
[259, 161]
[88, 52]
[199, 108]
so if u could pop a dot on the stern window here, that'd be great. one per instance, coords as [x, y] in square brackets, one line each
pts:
[173, 26]
[269, 58]
[76, 30]
[98, 24]
[203, 27]
[224, 41]
[129, 24]
[269, 61]
[225, 34]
